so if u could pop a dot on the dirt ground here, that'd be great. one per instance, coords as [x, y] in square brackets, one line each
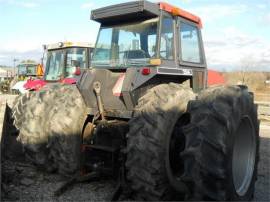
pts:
[23, 182]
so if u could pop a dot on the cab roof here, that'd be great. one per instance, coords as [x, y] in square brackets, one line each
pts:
[138, 10]
[67, 44]
[27, 63]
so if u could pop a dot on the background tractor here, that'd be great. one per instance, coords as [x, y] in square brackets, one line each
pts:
[64, 63]
[142, 110]
[26, 70]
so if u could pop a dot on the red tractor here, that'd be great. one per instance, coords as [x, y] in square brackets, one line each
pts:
[26, 71]
[64, 63]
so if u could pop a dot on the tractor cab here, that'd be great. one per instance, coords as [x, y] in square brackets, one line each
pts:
[64, 63]
[142, 44]
[66, 60]
[27, 70]
[144, 34]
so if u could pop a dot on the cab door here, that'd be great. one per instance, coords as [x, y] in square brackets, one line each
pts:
[191, 52]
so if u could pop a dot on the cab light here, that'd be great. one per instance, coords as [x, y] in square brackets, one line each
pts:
[176, 11]
[146, 71]
[155, 62]
[60, 44]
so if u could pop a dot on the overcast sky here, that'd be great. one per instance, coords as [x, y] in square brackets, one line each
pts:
[233, 31]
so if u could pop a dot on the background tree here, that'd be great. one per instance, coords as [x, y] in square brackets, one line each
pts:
[247, 64]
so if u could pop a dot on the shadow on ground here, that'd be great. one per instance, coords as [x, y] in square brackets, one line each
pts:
[262, 192]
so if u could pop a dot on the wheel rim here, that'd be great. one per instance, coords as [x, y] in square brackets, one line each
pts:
[244, 154]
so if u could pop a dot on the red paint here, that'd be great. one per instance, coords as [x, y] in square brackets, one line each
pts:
[34, 84]
[38, 83]
[69, 81]
[117, 89]
[215, 78]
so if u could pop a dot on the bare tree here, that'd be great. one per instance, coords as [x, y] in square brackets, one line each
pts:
[247, 64]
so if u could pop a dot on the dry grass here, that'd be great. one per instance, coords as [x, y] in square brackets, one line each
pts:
[254, 80]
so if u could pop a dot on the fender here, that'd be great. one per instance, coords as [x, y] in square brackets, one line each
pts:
[34, 84]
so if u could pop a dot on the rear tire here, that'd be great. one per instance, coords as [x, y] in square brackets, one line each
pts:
[19, 108]
[66, 125]
[33, 132]
[154, 120]
[222, 145]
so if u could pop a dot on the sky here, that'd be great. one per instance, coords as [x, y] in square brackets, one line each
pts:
[236, 34]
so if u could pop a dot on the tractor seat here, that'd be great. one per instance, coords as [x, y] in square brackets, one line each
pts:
[135, 54]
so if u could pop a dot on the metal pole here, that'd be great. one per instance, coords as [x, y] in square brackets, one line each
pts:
[14, 66]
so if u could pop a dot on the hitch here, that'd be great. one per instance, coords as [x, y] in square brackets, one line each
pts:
[97, 89]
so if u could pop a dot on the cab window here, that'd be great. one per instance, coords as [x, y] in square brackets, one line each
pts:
[190, 47]
[55, 64]
[152, 39]
[167, 40]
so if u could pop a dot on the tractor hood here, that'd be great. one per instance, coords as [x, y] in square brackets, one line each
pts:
[34, 84]
[39, 83]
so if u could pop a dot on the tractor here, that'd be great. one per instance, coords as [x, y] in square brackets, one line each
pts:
[64, 63]
[26, 70]
[143, 112]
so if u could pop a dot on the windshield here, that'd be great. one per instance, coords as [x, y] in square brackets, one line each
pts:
[76, 57]
[27, 69]
[21, 69]
[127, 45]
[55, 66]
[31, 69]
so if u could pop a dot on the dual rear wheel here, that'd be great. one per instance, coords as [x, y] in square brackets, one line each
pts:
[208, 151]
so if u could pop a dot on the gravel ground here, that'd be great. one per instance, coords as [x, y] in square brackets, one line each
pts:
[262, 192]
[24, 183]
[32, 185]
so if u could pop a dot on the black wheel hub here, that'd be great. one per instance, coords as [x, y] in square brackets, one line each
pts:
[174, 162]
